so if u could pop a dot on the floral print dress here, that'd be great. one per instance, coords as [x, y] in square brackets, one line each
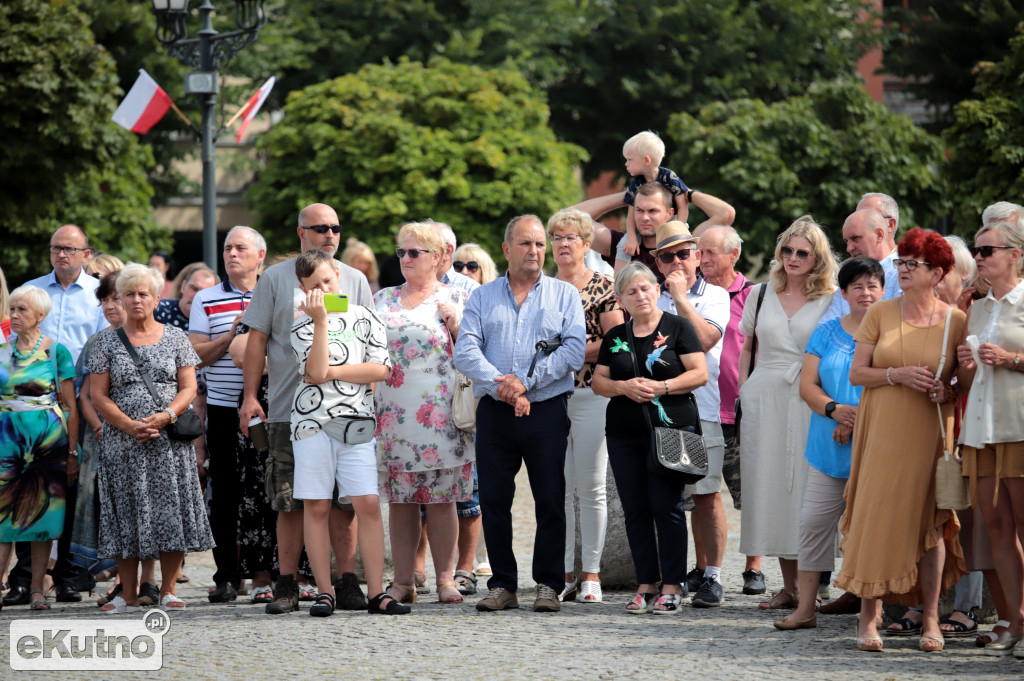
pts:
[424, 458]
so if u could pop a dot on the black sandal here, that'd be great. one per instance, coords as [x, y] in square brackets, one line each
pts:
[960, 630]
[908, 627]
[323, 607]
[392, 608]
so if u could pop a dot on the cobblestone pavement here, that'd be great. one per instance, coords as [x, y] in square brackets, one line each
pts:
[586, 642]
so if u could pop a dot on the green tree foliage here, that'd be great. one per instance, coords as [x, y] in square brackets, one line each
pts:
[986, 141]
[64, 160]
[401, 142]
[937, 48]
[814, 153]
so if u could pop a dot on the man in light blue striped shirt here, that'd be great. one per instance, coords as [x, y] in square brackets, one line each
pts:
[522, 415]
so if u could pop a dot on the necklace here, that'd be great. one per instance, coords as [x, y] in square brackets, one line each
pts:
[573, 282]
[31, 352]
[924, 345]
[408, 298]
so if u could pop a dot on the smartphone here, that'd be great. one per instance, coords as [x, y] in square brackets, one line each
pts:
[336, 302]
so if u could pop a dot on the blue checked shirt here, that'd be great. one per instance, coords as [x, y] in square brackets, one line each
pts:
[459, 281]
[76, 314]
[498, 337]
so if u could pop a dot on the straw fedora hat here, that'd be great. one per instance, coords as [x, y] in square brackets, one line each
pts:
[671, 234]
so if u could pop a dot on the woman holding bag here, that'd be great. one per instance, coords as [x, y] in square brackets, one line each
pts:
[425, 458]
[653, 362]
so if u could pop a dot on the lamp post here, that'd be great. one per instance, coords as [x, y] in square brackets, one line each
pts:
[207, 53]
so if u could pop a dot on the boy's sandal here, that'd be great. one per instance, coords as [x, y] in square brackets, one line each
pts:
[403, 593]
[905, 627]
[262, 594]
[960, 630]
[449, 593]
[642, 600]
[668, 604]
[992, 636]
[780, 600]
[38, 605]
[323, 607]
[171, 603]
[466, 581]
[392, 607]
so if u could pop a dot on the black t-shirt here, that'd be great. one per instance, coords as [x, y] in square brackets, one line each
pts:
[673, 337]
[644, 255]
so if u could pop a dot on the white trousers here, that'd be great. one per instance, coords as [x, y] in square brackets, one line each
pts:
[586, 465]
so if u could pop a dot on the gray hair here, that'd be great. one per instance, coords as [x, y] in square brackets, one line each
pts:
[35, 297]
[1001, 211]
[1013, 236]
[446, 232]
[515, 221]
[629, 273]
[135, 275]
[962, 258]
[257, 239]
[888, 205]
[731, 239]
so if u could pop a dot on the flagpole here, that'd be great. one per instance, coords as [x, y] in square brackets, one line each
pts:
[233, 118]
[183, 116]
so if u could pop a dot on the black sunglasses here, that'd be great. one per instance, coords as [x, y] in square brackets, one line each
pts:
[987, 251]
[472, 266]
[800, 253]
[667, 258]
[323, 229]
[413, 252]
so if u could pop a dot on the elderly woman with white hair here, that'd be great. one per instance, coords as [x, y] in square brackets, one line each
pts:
[150, 502]
[37, 442]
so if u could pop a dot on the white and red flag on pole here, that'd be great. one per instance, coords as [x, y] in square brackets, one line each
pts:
[252, 107]
[144, 106]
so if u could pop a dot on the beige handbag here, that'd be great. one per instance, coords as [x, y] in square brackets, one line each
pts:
[950, 486]
[463, 402]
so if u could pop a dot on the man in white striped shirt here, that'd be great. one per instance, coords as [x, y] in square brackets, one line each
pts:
[215, 313]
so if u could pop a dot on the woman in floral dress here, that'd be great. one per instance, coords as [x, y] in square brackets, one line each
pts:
[425, 459]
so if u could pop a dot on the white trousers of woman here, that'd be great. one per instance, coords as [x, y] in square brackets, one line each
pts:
[586, 465]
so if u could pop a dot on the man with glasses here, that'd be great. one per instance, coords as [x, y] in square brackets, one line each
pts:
[706, 307]
[269, 316]
[76, 315]
[866, 233]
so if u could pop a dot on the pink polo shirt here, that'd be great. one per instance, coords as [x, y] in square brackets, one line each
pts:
[732, 343]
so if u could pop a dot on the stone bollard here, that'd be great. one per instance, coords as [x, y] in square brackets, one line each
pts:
[616, 561]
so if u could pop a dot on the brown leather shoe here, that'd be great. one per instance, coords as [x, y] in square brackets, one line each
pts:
[498, 599]
[847, 604]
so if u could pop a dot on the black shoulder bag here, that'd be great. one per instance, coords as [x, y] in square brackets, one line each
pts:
[187, 426]
[753, 354]
[675, 454]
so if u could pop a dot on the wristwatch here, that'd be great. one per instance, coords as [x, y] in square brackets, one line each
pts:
[829, 408]
[174, 417]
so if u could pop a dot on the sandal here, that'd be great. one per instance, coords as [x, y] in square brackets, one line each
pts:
[393, 607]
[149, 594]
[324, 606]
[420, 578]
[590, 592]
[118, 606]
[449, 593]
[171, 603]
[643, 601]
[906, 627]
[780, 600]
[466, 581]
[930, 644]
[960, 630]
[992, 636]
[262, 594]
[38, 605]
[110, 595]
[307, 592]
[668, 604]
[869, 644]
[404, 593]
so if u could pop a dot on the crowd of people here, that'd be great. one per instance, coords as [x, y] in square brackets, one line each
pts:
[297, 396]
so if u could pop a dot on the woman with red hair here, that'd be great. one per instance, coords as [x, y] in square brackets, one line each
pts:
[897, 545]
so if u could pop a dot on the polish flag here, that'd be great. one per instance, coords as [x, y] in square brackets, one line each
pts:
[252, 107]
[144, 106]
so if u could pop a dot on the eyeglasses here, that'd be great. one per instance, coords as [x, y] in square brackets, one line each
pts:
[568, 238]
[323, 229]
[413, 252]
[667, 258]
[911, 264]
[471, 266]
[70, 250]
[987, 251]
[800, 253]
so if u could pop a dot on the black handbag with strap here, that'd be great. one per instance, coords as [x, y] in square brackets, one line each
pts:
[675, 454]
[187, 426]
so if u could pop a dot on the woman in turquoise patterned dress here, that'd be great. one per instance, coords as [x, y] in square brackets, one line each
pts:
[37, 440]
[424, 457]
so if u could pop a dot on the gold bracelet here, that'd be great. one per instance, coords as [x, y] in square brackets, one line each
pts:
[1016, 361]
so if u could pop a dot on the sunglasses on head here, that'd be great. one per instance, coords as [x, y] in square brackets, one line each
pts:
[986, 251]
[323, 229]
[413, 252]
[911, 264]
[472, 266]
[788, 252]
[668, 258]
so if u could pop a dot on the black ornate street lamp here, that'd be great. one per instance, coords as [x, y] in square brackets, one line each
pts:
[207, 53]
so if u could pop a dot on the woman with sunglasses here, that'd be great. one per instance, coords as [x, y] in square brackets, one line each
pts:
[586, 459]
[475, 263]
[775, 419]
[992, 367]
[425, 458]
[897, 545]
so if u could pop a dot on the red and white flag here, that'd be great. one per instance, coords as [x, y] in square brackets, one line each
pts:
[252, 107]
[144, 106]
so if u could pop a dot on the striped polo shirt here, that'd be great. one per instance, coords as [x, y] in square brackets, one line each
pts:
[213, 312]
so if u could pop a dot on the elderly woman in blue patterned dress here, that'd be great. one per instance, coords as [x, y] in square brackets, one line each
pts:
[150, 502]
